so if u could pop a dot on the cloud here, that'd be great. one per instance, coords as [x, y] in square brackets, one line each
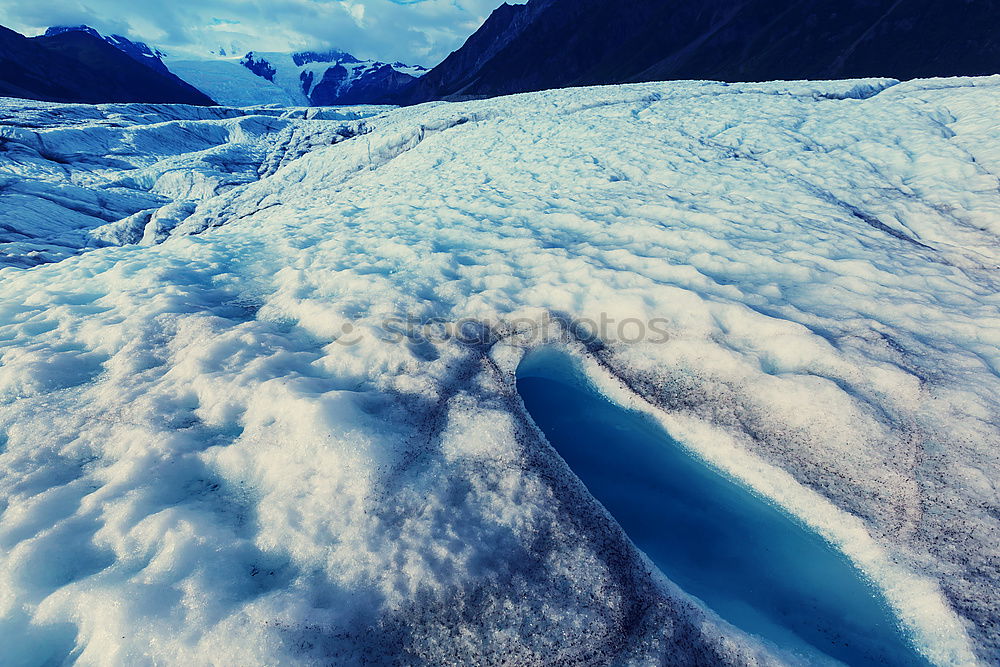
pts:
[413, 31]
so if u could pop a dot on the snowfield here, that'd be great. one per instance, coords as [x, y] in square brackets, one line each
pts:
[228, 82]
[224, 438]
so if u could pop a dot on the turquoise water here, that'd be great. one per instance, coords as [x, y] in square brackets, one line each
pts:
[748, 561]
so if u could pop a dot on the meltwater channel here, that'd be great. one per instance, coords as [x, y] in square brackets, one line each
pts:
[750, 562]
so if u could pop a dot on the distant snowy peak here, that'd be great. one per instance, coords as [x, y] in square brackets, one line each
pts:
[331, 56]
[416, 71]
[332, 77]
[306, 78]
[138, 51]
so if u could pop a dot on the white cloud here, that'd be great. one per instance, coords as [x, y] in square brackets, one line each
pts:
[420, 31]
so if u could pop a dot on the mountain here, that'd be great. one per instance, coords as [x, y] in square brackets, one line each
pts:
[222, 79]
[332, 77]
[138, 51]
[77, 66]
[308, 78]
[558, 43]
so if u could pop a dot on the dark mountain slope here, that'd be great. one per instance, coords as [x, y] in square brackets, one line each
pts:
[903, 39]
[462, 69]
[137, 51]
[375, 85]
[558, 43]
[79, 67]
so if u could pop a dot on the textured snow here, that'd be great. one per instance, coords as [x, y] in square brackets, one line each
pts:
[75, 177]
[216, 448]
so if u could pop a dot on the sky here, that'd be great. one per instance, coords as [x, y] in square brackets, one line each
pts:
[419, 32]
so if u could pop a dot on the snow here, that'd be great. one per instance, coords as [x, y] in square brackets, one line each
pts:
[288, 75]
[77, 177]
[416, 71]
[217, 448]
[229, 83]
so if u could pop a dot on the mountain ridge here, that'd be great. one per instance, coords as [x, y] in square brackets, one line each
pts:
[76, 66]
[332, 77]
[139, 51]
[559, 43]
[305, 78]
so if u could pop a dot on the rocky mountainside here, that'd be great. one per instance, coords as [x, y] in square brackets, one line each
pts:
[557, 43]
[333, 77]
[77, 66]
[308, 78]
[138, 51]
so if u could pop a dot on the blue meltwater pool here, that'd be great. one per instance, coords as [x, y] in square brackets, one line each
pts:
[745, 559]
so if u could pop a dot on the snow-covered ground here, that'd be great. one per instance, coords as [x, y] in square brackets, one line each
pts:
[218, 447]
[75, 177]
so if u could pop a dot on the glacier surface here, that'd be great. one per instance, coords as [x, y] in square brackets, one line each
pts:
[230, 83]
[257, 398]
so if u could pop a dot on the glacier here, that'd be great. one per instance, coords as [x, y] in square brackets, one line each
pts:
[231, 84]
[257, 383]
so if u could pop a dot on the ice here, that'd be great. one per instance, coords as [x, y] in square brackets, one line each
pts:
[76, 177]
[228, 82]
[696, 526]
[217, 447]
